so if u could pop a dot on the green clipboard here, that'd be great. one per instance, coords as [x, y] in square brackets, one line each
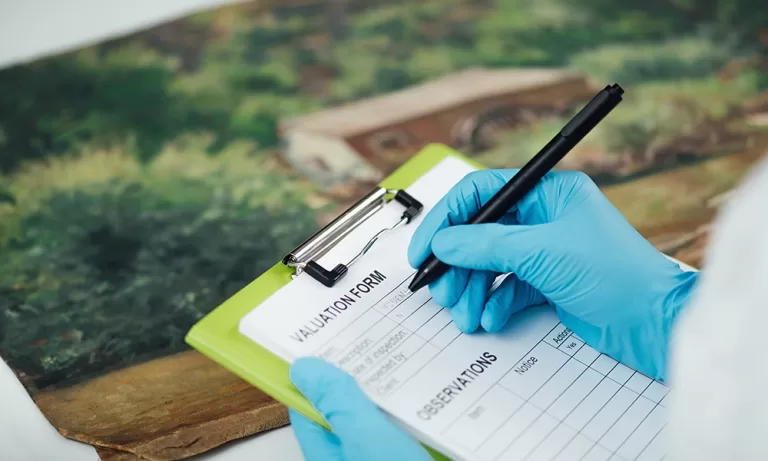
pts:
[217, 335]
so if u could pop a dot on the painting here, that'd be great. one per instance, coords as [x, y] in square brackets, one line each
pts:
[146, 179]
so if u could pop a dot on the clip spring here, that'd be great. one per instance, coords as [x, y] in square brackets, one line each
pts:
[303, 257]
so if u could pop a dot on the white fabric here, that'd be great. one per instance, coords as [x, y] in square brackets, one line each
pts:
[719, 354]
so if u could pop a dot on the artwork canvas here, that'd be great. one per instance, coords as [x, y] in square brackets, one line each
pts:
[146, 179]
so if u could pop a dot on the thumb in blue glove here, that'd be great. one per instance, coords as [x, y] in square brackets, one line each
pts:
[360, 429]
[564, 244]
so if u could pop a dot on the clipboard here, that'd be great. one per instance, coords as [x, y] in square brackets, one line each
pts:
[216, 335]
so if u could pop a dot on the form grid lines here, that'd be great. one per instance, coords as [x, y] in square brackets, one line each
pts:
[573, 360]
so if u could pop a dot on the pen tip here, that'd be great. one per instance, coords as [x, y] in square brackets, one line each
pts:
[616, 88]
[417, 283]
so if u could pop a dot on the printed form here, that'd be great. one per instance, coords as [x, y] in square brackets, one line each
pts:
[532, 392]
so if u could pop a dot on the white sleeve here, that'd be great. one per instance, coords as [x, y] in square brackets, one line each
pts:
[719, 355]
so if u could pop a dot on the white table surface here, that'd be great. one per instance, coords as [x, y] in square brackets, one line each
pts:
[30, 29]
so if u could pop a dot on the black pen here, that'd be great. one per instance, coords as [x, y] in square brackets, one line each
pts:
[528, 176]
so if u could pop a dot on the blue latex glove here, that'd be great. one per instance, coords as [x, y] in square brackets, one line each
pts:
[567, 245]
[360, 429]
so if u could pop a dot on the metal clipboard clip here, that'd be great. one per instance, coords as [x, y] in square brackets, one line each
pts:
[303, 258]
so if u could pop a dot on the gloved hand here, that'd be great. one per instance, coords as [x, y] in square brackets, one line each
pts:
[361, 431]
[565, 244]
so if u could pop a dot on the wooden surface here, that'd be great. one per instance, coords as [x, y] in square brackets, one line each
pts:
[167, 409]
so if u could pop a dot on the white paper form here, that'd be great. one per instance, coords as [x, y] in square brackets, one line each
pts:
[532, 392]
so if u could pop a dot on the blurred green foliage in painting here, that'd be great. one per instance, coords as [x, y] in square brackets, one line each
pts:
[116, 261]
[138, 186]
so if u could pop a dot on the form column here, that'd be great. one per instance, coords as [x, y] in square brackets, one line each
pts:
[538, 379]
[610, 412]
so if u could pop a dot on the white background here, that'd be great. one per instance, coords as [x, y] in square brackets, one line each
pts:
[30, 29]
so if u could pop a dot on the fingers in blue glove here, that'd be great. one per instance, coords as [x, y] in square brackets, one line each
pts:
[467, 311]
[511, 296]
[361, 429]
[495, 247]
[475, 189]
[477, 248]
[458, 205]
[324, 445]
[447, 290]
[333, 393]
